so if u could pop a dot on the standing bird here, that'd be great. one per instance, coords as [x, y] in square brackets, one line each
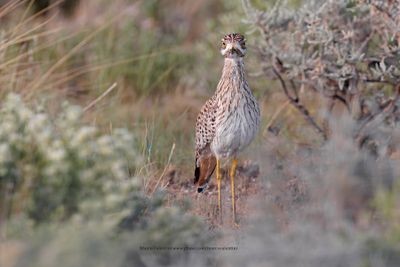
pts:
[228, 121]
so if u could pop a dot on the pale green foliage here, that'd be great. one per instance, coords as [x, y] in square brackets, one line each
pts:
[57, 166]
[57, 171]
[95, 245]
[97, 241]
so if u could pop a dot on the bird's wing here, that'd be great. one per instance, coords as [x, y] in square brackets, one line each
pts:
[205, 126]
[205, 132]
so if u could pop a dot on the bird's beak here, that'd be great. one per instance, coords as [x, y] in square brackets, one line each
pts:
[234, 49]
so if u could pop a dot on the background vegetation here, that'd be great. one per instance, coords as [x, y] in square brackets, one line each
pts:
[98, 102]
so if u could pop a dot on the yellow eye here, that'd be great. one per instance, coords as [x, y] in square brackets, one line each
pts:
[223, 44]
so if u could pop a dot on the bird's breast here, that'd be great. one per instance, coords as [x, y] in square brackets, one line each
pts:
[237, 123]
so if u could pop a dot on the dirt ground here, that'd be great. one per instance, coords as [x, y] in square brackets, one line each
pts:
[247, 186]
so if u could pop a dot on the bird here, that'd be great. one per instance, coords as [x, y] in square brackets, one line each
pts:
[227, 122]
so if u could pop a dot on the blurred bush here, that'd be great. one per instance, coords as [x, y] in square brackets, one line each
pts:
[346, 52]
[152, 61]
[96, 244]
[332, 205]
[51, 167]
[77, 189]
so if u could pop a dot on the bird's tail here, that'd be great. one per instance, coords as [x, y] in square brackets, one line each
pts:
[205, 167]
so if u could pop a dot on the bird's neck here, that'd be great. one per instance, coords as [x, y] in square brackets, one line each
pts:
[233, 75]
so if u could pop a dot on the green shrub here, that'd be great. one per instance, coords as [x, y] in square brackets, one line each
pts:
[74, 190]
[52, 167]
[147, 60]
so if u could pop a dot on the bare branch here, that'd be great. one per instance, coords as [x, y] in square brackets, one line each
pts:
[375, 119]
[299, 106]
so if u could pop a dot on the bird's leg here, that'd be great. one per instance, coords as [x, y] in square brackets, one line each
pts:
[219, 187]
[232, 174]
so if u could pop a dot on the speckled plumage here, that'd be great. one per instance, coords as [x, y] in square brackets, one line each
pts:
[230, 119]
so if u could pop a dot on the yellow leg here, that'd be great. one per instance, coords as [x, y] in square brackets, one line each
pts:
[219, 187]
[232, 174]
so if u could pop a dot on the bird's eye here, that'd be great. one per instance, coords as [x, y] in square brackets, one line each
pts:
[223, 44]
[243, 44]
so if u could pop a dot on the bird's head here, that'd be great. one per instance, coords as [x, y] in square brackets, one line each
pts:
[233, 45]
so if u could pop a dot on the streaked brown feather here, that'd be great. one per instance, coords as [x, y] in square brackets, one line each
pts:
[205, 167]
